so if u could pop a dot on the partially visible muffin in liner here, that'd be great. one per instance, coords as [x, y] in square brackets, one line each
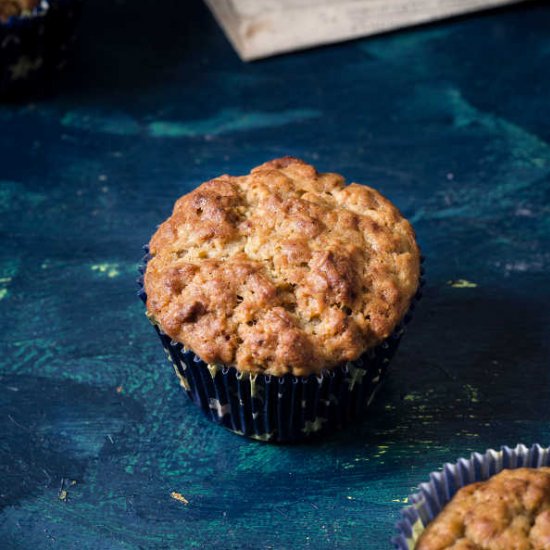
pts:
[36, 38]
[499, 512]
[281, 296]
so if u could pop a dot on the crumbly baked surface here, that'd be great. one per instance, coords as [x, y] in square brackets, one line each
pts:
[14, 8]
[510, 511]
[283, 270]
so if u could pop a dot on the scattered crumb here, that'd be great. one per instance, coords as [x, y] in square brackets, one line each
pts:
[119, 389]
[179, 497]
[63, 494]
[462, 283]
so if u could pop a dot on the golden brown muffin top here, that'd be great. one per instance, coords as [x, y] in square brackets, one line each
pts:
[282, 270]
[510, 511]
[15, 8]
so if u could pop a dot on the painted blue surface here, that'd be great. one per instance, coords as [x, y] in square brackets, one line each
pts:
[450, 121]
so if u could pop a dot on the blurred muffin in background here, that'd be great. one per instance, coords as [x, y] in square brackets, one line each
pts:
[35, 43]
[16, 8]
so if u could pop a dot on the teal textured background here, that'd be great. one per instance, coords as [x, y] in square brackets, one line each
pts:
[450, 121]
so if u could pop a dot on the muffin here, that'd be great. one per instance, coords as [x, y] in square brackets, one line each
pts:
[16, 8]
[289, 289]
[496, 501]
[511, 510]
[35, 43]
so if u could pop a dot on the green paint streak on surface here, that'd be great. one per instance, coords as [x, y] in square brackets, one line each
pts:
[526, 152]
[527, 149]
[226, 121]
[229, 120]
[114, 123]
[8, 270]
[394, 47]
[14, 194]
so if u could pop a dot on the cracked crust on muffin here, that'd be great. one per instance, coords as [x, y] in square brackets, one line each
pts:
[284, 270]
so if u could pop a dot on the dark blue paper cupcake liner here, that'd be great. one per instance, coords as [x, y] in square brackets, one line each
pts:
[280, 409]
[34, 47]
[433, 495]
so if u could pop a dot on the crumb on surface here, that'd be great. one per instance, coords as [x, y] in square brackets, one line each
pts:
[179, 497]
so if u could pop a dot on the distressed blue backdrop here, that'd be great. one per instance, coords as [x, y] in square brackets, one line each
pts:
[450, 121]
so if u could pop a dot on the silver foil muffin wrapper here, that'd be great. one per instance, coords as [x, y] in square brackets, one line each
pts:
[433, 495]
[281, 409]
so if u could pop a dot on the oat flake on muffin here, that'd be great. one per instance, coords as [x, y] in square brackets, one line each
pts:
[282, 270]
[509, 511]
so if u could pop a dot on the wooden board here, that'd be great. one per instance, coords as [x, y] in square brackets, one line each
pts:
[260, 28]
